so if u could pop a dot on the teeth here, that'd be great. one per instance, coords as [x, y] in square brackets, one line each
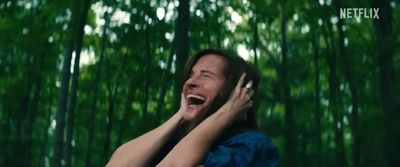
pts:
[196, 96]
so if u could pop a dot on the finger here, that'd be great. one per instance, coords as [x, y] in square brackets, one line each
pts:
[183, 99]
[240, 82]
[247, 105]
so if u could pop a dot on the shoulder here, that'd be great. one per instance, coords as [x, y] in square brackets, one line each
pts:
[244, 149]
[251, 138]
[254, 142]
[249, 135]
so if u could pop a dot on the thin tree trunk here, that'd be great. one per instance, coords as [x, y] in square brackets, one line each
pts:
[6, 131]
[45, 151]
[128, 103]
[126, 115]
[63, 96]
[207, 29]
[147, 77]
[95, 91]
[315, 47]
[218, 30]
[349, 75]
[164, 85]
[109, 120]
[255, 38]
[385, 43]
[25, 99]
[74, 85]
[182, 47]
[38, 85]
[340, 156]
[290, 150]
[36, 100]
[23, 135]
[112, 94]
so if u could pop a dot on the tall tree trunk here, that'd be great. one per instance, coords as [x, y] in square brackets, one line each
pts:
[207, 22]
[182, 47]
[36, 103]
[147, 77]
[255, 38]
[63, 95]
[385, 43]
[74, 85]
[45, 151]
[349, 75]
[22, 133]
[127, 107]
[95, 91]
[290, 132]
[315, 42]
[109, 120]
[340, 156]
[28, 104]
[126, 115]
[112, 94]
[218, 23]
[164, 85]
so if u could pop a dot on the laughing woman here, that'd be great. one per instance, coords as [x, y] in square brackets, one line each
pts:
[215, 125]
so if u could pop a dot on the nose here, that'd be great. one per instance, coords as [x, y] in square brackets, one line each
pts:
[192, 82]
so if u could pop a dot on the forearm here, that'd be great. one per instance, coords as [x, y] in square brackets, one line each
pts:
[191, 150]
[139, 151]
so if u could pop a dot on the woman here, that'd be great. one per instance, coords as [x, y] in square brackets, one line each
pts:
[214, 125]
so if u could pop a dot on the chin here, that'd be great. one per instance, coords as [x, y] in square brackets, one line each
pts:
[193, 113]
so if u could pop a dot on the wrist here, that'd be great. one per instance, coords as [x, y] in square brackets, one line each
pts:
[225, 114]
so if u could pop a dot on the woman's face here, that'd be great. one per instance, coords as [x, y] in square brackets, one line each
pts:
[203, 86]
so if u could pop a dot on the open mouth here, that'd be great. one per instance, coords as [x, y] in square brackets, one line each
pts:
[195, 99]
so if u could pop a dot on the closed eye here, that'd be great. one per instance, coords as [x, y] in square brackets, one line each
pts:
[205, 75]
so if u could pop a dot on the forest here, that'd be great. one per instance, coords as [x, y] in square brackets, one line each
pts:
[80, 77]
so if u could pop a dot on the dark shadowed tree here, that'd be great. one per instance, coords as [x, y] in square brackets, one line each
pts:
[346, 61]
[181, 47]
[389, 96]
[64, 81]
[290, 132]
[74, 85]
[95, 91]
[334, 95]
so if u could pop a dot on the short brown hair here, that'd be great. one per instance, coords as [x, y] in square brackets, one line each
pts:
[235, 66]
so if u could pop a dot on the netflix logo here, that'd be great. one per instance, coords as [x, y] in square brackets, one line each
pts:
[368, 13]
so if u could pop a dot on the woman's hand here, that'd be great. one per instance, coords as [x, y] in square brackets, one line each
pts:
[240, 100]
[182, 109]
[184, 105]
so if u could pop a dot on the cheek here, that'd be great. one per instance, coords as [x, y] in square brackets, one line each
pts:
[215, 90]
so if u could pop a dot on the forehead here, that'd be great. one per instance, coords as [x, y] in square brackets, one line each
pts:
[210, 62]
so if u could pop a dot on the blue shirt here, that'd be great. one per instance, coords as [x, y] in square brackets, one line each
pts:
[248, 149]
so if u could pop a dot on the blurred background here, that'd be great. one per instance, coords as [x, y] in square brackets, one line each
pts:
[80, 77]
